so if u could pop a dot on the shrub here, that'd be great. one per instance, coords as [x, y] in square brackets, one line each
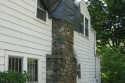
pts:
[12, 77]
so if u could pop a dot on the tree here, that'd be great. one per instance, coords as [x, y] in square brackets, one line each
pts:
[116, 14]
[108, 19]
[113, 65]
[98, 15]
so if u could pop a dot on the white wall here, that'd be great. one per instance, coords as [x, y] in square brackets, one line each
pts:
[21, 32]
[2, 60]
[98, 70]
[85, 50]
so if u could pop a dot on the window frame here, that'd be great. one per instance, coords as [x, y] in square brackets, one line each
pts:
[38, 19]
[24, 57]
[14, 57]
[82, 30]
[79, 74]
[84, 26]
[33, 68]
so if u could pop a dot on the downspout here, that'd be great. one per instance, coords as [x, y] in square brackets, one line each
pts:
[95, 51]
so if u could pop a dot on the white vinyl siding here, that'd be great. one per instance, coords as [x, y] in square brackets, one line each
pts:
[98, 70]
[85, 51]
[21, 32]
[18, 30]
[2, 60]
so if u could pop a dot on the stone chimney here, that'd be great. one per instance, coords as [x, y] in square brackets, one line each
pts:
[61, 65]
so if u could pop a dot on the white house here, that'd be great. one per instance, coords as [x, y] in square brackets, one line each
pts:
[26, 38]
[85, 47]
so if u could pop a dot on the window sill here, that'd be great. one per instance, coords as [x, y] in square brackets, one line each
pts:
[84, 36]
[41, 21]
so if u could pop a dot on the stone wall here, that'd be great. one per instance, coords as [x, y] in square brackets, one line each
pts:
[61, 65]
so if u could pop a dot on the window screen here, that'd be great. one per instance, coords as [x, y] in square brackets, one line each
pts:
[82, 25]
[86, 27]
[15, 64]
[41, 13]
[32, 71]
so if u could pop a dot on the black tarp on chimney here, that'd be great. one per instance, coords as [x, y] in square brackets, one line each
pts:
[65, 10]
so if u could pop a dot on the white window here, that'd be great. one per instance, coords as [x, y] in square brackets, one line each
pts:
[84, 26]
[41, 12]
[21, 62]
[32, 70]
[15, 64]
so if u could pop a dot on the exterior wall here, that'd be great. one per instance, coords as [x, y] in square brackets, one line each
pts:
[98, 70]
[22, 33]
[2, 60]
[84, 49]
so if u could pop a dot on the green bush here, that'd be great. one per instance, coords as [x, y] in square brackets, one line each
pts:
[113, 65]
[12, 77]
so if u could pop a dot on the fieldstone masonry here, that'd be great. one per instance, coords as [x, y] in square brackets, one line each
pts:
[61, 65]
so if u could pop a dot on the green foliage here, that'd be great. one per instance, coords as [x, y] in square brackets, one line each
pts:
[116, 18]
[97, 10]
[113, 65]
[12, 77]
[108, 19]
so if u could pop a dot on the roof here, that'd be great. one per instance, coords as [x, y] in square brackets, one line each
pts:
[66, 10]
